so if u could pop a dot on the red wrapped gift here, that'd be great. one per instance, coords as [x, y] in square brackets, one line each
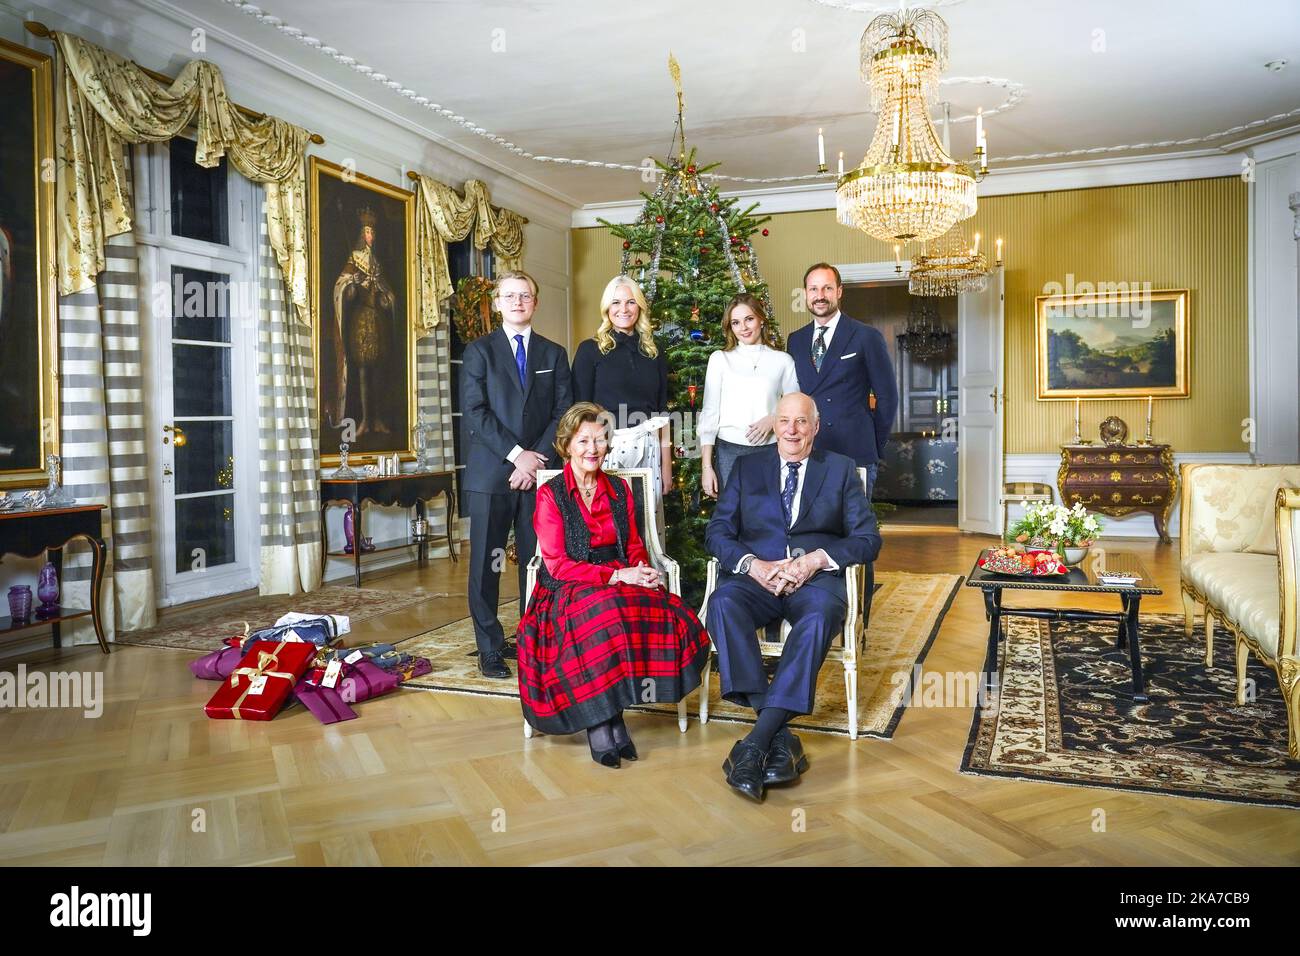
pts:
[261, 683]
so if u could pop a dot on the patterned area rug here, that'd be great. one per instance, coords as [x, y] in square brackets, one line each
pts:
[203, 629]
[905, 617]
[1066, 715]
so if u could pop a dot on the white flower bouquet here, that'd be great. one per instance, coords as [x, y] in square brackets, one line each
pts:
[1056, 526]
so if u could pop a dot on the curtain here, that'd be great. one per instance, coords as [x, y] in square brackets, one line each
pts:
[103, 101]
[102, 414]
[289, 496]
[443, 216]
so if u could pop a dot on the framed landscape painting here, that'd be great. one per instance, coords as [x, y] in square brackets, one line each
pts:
[29, 421]
[1126, 344]
[363, 293]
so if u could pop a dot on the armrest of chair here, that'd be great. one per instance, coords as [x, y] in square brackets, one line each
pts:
[1287, 518]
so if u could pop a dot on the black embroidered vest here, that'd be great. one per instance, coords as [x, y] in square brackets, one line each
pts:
[577, 536]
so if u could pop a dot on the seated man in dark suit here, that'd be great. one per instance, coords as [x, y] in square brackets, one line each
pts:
[788, 523]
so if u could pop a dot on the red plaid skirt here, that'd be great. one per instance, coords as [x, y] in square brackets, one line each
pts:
[589, 651]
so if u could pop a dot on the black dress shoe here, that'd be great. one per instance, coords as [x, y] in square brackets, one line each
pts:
[785, 758]
[491, 665]
[626, 749]
[744, 770]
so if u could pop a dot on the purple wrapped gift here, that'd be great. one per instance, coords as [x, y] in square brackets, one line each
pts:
[357, 682]
[364, 680]
[325, 702]
[218, 665]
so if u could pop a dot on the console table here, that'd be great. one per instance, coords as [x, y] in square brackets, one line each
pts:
[1117, 480]
[404, 490]
[49, 531]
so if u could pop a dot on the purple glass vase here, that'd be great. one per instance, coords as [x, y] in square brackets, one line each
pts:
[47, 590]
[348, 532]
[20, 603]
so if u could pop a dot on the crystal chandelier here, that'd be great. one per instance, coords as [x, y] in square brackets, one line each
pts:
[949, 266]
[907, 187]
[926, 336]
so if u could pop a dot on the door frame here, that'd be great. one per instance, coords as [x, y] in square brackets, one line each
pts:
[158, 252]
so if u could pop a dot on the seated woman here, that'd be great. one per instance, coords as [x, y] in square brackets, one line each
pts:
[600, 633]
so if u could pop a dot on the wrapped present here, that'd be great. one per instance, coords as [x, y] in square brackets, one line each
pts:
[355, 683]
[325, 702]
[318, 631]
[219, 664]
[415, 667]
[260, 685]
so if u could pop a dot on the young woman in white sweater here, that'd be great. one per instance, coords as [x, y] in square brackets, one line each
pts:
[744, 381]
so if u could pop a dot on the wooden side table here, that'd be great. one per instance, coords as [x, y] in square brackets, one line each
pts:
[404, 490]
[31, 533]
[1117, 480]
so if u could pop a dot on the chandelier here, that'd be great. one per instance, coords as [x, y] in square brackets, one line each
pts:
[907, 187]
[949, 266]
[926, 337]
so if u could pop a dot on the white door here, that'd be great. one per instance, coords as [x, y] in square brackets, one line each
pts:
[980, 408]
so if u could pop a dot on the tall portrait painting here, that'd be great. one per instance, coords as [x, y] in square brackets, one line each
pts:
[363, 292]
[1129, 343]
[29, 423]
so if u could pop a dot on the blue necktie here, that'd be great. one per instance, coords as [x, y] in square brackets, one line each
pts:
[787, 494]
[521, 361]
[819, 349]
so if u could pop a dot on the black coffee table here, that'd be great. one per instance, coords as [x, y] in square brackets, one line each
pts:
[1085, 578]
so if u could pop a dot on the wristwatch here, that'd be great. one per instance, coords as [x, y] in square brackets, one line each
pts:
[745, 563]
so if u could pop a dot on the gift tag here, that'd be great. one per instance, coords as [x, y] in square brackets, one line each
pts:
[332, 673]
[293, 636]
[353, 657]
[257, 686]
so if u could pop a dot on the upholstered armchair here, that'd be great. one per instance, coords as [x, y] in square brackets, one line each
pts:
[1237, 537]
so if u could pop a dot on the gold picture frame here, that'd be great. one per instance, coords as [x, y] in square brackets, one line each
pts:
[29, 343]
[1113, 344]
[357, 354]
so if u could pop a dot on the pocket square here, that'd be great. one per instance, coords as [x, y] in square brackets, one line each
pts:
[849, 356]
[542, 371]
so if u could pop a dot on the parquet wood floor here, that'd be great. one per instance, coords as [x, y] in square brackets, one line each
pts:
[434, 778]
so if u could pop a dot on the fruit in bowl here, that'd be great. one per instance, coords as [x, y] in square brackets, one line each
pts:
[1022, 563]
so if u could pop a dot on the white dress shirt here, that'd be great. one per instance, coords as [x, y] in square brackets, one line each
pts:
[741, 386]
[527, 333]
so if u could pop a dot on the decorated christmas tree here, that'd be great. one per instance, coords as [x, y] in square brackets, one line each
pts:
[691, 250]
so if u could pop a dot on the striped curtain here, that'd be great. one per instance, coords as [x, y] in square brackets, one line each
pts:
[102, 416]
[433, 398]
[288, 486]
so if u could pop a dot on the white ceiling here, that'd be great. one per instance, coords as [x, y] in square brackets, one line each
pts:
[587, 79]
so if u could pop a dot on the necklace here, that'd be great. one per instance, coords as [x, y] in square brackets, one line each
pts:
[587, 493]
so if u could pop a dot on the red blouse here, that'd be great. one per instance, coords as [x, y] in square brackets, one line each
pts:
[549, 525]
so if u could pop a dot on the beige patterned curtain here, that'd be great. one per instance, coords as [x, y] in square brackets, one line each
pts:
[443, 216]
[104, 101]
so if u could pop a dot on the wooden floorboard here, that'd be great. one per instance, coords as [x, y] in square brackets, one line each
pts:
[430, 778]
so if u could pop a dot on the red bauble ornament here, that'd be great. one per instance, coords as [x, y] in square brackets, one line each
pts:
[690, 170]
[659, 218]
[735, 240]
[713, 207]
[627, 245]
[765, 232]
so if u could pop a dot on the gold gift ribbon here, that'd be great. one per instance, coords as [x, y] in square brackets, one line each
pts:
[264, 660]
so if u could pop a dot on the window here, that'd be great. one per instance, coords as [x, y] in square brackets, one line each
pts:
[198, 196]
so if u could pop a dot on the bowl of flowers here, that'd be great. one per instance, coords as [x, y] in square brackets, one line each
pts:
[1069, 532]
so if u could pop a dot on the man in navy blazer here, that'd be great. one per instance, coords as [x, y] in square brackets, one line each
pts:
[787, 524]
[514, 387]
[840, 363]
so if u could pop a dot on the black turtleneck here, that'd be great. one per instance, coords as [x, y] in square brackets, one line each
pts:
[624, 376]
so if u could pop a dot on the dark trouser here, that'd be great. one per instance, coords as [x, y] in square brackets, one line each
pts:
[726, 454]
[738, 608]
[490, 520]
[872, 470]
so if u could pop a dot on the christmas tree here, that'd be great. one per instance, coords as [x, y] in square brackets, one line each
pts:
[691, 250]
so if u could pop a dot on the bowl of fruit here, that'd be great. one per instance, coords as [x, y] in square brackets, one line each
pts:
[1022, 564]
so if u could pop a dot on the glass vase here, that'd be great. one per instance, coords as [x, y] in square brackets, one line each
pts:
[20, 603]
[47, 590]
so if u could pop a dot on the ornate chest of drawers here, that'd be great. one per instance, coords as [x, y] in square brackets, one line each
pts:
[1117, 480]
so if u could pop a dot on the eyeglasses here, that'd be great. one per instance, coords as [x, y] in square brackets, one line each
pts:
[516, 296]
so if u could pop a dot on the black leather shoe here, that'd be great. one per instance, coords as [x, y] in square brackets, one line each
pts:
[626, 749]
[491, 665]
[744, 770]
[785, 758]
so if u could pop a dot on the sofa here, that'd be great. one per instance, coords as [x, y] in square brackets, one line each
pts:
[1239, 542]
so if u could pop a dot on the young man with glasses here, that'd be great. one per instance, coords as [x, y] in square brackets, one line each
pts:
[515, 386]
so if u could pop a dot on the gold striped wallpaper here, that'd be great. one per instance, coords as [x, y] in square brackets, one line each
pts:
[1180, 235]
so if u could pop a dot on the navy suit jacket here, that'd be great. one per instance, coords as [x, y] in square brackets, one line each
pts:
[856, 362]
[834, 514]
[497, 414]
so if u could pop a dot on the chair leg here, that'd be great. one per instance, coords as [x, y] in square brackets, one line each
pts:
[704, 690]
[1291, 696]
[528, 731]
[1209, 637]
[851, 695]
[1189, 613]
[1243, 652]
[681, 715]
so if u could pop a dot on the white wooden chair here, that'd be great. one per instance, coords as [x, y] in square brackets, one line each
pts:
[640, 480]
[849, 645]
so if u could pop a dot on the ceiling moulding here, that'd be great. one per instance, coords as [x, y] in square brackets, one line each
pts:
[188, 20]
[1203, 164]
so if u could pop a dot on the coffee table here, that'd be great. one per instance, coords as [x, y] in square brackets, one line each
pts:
[1085, 578]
